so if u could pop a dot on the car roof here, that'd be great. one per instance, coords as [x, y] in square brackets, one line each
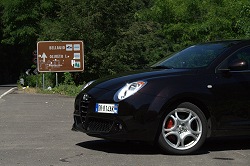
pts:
[232, 41]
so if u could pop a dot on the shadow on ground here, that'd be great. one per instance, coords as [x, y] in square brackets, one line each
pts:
[211, 145]
[120, 147]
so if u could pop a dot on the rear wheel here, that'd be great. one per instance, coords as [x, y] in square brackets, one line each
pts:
[183, 130]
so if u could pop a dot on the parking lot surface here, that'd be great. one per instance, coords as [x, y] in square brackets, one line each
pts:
[35, 129]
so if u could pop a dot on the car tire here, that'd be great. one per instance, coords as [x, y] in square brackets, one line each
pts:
[183, 130]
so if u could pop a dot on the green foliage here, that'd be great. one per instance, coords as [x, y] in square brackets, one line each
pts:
[68, 80]
[243, 23]
[20, 18]
[32, 81]
[119, 36]
[68, 86]
[37, 80]
[141, 45]
[191, 21]
[68, 90]
[64, 89]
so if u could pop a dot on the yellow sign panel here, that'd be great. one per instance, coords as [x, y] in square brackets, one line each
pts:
[63, 56]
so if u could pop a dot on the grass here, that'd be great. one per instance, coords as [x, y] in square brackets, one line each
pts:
[68, 90]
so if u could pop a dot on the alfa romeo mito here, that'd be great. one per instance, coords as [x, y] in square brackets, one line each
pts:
[202, 91]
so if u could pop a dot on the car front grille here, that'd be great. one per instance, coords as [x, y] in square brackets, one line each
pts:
[99, 125]
[91, 124]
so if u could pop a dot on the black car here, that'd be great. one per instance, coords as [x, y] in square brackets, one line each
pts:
[202, 91]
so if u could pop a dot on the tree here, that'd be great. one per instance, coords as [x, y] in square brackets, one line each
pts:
[19, 32]
[20, 20]
[99, 23]
[140, 45]
[192, 21]
[119, 36]
[242, 24]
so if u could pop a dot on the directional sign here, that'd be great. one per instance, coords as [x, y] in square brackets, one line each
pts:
[63, 56]
[32, 71]
[28, 72]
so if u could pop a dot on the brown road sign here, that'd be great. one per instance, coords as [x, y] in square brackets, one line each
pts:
[62, 56]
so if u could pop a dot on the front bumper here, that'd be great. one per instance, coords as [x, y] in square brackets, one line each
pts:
[136, 120]
[125, 128]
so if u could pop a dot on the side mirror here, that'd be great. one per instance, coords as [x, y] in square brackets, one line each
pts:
[238, 65]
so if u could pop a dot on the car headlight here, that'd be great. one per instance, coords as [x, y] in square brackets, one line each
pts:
[128, 90]
[86, 85]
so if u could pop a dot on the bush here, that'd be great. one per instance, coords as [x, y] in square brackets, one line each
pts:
[69, 90]
[67, 87]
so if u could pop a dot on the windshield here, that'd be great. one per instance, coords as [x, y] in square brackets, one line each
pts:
[197, 56]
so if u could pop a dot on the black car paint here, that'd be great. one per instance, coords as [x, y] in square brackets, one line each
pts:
[223, 97]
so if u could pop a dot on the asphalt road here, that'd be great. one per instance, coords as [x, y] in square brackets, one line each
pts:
[35, 129]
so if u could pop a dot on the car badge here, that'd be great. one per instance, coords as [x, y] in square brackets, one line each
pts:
[85, 97]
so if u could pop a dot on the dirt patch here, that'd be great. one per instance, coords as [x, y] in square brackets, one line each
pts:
[27, 90]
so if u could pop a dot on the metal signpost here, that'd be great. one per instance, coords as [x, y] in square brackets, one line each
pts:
[60, 56]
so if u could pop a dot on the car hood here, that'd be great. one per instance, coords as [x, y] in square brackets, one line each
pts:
[115, 82]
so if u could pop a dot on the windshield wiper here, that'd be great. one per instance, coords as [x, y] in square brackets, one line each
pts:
[162, 67]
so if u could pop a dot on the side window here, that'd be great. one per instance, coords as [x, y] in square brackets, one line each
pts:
[243, 54]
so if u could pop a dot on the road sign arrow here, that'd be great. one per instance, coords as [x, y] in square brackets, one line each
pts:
[28, 72]
[35, 71]
[44, 57]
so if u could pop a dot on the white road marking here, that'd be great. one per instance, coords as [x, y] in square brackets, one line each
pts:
[9, 91]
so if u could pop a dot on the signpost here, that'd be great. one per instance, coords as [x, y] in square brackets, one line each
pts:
[60, 56]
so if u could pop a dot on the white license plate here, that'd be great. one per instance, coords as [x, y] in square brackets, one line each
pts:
[106, 108]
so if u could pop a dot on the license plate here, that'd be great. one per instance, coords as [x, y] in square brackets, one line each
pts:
[106, 108]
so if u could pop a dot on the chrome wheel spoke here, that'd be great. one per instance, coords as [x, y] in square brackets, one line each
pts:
[188, 139]
[181, 110]
[171, 133]
[198, 124]
[189, 134]
[176, 137]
